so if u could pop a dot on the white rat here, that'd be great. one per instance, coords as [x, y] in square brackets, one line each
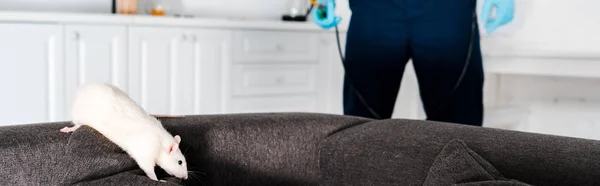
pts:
[115, 115]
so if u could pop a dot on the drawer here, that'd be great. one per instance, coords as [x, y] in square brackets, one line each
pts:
[273, 79]
[272, 104]
[274, 46]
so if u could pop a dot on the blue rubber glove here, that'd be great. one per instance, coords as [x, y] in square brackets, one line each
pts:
[505, 10]
[330, 20]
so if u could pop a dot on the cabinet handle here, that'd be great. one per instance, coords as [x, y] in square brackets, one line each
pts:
[184, 37]
[280, 47]
[76, 36]
[280, 80]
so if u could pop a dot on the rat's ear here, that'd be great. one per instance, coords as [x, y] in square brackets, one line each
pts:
[173, 147]
[177, 139]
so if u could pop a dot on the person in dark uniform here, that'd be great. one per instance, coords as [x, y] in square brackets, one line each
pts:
[436, 34]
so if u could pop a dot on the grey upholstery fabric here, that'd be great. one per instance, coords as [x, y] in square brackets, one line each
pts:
[257, 149]
[458, 165]
[400, 152]
[41, 155]
[29, 155]
[293, 149]
[243, 149]
[91, 159]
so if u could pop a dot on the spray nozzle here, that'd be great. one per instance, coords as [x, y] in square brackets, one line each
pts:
[322, 11]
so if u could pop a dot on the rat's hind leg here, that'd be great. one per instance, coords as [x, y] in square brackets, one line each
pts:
[70, 129]
[75, 126]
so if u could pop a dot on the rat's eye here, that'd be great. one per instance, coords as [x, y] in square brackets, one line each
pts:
[179, 162]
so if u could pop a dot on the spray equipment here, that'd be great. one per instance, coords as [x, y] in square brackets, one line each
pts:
[324, 13]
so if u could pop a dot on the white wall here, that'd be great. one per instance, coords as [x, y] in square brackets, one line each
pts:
[248, 9]
[552, 28]
[269, 9]
[548, 69]
[94, 6]
[252, 9]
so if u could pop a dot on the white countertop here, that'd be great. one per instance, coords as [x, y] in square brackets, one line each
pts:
[89, 18]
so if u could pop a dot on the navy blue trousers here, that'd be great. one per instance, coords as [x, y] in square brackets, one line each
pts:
[384, 34]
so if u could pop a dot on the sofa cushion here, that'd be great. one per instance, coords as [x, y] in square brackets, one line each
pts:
[459, 165]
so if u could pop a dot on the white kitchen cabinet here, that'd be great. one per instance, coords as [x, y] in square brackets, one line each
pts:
[32, 73]
[331, 70]
[251, 80]
[153, 53]
[259, 46]
[201, 86]
[95, 53]
[176, 71]
[273, 88]
[273, 71]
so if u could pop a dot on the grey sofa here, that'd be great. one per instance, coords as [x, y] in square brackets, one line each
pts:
[306, 149]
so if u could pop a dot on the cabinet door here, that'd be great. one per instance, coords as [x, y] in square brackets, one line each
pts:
[94, 54]
[31, 74]
[175, 71]
[198, 84]
[154, 54]
[332, 72]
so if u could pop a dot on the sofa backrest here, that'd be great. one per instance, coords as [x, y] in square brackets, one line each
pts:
[240, 149]
[296, 149]
[402, 152]
[257, 149]
[29, 154]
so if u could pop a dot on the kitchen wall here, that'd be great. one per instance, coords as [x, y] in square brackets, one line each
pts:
[250, 9]
[548, 69]
[261, 9]
[90, 6]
